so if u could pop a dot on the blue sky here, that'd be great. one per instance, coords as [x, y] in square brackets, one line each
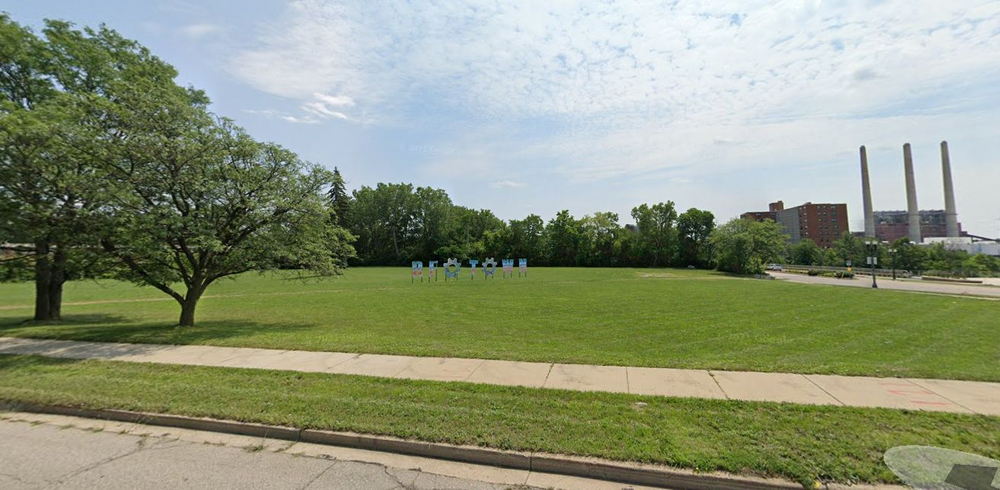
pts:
[533, 107]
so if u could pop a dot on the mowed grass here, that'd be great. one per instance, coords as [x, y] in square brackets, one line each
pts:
[639, 317]
[804, 443]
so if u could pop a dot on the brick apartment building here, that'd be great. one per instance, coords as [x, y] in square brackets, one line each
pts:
[822, 223]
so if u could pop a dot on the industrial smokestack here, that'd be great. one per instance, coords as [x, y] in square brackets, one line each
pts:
[912, 212]
[950, 215]
[866, 195]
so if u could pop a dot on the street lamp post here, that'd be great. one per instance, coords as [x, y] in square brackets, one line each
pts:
[892, 253]
[873, 260]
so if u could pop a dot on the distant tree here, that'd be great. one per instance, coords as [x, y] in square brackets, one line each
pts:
[694, 226]
[340, 200]
[831, 258]
[941, 260]
[474, 233]
[527, 238]
[562, 238]
[432, 218]
[657, 234]
[600, 242]
[908, 256]
[851, 248]
[805, 252]
[210, 202]
[381, 217]
[746, 246]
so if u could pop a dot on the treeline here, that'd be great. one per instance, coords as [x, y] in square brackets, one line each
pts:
[109, 168]
[397, 223]
[901, 254]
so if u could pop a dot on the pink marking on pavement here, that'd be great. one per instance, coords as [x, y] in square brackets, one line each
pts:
[911, 392]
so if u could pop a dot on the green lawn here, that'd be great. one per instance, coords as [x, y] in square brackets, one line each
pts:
[792, 441]
[642, 317]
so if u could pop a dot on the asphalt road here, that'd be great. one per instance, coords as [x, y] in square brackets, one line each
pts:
[36, 455]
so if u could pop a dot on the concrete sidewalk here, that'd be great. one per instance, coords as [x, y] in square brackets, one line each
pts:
[865, 281]
[857, 391]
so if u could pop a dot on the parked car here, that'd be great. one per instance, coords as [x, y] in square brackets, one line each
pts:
[774, 267]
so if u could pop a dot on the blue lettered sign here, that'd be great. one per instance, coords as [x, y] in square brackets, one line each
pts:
[416, 270]
[508, 266]
[451, 269]
[489, 267]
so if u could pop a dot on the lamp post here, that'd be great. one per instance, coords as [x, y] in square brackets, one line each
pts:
[892, 253]
[873, 260]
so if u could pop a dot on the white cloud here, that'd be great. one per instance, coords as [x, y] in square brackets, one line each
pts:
[641, 88]
[506, 184]
[198, 31]
[300, 120]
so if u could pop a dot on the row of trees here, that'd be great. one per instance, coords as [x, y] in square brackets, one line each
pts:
[397, 223]
[108, 167]
[934, 259]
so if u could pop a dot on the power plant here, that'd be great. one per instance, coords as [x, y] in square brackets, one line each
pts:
[889, 225]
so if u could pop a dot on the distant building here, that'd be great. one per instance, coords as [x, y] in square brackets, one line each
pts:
[893, 225]
[771, 213]
[968, 244]
[822, 223]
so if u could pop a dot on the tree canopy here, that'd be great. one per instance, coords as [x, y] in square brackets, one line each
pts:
[105, 160]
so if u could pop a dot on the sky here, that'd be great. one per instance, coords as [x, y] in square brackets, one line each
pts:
[534, 107]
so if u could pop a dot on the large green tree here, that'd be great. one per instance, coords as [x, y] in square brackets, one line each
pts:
[562, 239]
[745, 246]
[381, 217]
[694, 226]
[208, 202]
[58, 93]
[527, 237]
[601, 240]
[657, 239]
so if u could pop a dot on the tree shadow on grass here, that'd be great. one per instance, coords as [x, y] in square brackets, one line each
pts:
[114, 328]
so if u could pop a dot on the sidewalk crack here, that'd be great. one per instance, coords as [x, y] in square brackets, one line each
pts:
[712, 375]
[821, 389]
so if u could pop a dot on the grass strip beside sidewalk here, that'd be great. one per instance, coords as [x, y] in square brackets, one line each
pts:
[799, 442]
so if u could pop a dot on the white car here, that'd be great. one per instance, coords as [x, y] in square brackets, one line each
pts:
[774, 267]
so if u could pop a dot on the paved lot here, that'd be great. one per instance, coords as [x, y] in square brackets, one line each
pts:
[859, 391]
[53, 451]
[987, 291]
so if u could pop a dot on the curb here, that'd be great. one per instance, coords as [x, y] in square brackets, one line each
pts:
[630, 473]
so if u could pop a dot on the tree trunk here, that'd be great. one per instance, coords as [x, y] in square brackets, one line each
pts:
[56, 281]
[188, 306]
[43, 281]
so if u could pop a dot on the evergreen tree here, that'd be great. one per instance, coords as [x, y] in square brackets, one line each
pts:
[340, 200]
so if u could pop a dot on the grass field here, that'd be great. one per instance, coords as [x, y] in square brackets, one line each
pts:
[803, 443]
[640, 317]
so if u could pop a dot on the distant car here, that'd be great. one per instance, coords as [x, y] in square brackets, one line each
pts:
[774, 267]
